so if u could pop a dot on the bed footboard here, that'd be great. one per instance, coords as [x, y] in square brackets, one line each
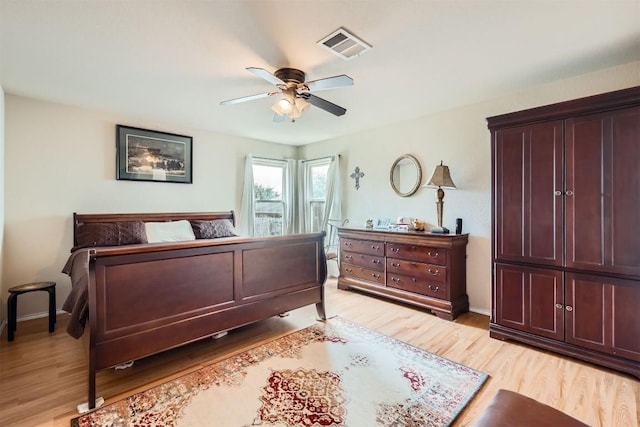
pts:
[151, 298]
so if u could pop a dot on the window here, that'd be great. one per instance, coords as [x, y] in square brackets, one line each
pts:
[288, 196]
[316, 172]
[269, 177]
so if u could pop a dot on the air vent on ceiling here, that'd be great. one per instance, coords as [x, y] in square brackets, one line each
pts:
[344, 44]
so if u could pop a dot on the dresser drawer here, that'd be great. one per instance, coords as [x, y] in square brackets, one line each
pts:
[429, 272]
[370, 247]
[363, 260]
[350, 270]
[417, 285]
[424, 254]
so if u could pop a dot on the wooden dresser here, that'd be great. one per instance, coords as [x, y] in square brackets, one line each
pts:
[418, 268]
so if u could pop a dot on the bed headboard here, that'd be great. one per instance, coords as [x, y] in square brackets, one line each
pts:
[79, 219]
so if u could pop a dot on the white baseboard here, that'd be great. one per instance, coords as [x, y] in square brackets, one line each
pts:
[484, 311]
[37, 315]
[4, 323]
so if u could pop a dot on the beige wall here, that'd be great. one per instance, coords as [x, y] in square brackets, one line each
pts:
[460, 138]
[61, 160]
[3, 296]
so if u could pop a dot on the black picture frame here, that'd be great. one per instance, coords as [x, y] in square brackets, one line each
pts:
[148, 155]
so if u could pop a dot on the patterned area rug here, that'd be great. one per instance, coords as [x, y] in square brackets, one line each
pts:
[334, 373]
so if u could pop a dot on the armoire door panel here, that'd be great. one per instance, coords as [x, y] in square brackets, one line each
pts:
[626, 319]
[530, 300]
[604, 314]
[545, 291]
[511, 289]
[587, 312]
[602, 189]
[624, 203]
[528, 206]
[510, 152]
[585, 193]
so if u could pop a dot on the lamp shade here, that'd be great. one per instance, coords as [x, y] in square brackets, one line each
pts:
[441, 177]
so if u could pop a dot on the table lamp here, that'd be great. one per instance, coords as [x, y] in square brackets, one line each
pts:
[441, 178]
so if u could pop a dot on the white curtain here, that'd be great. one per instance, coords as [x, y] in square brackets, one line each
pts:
[333, 205]
[303, 198]
[291, 188]
[247, 208]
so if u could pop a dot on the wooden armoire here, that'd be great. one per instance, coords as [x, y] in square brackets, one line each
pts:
[566, 228]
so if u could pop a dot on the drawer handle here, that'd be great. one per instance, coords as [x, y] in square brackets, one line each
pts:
[434, 289]
[375, 261]
[434, 272]
[375, 248]
[433, 254]
[395, 250]
[348, 257]
[395, 280]
[375, 276]
[348, 244]
[395, 265]
[348, 270]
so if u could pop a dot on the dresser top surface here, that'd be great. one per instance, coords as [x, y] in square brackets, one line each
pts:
[396, 235]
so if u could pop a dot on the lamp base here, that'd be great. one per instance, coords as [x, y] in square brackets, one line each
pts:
[439, 230]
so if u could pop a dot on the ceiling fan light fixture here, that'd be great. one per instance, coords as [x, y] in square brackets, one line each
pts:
[298, 108]
[284, 104]
[277, 108]
[302, 105]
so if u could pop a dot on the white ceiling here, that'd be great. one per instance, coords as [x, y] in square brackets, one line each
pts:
[172, 61]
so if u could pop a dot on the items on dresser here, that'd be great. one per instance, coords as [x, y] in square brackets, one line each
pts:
[417, 268]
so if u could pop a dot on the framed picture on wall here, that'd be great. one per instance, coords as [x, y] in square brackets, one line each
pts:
[148, 155]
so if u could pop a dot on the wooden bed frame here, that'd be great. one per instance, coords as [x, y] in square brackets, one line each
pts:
[144, 299]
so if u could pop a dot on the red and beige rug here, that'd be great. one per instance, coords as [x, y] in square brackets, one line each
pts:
[334, 373]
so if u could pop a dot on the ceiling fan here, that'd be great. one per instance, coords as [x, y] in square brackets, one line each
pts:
[296, 93]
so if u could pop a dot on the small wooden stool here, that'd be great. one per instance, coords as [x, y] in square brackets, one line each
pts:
[12, 303]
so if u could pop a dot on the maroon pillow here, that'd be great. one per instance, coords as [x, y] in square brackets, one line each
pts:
[213, 229]
[110, 234]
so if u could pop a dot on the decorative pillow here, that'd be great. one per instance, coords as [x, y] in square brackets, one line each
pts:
[110, 234]
[171, 231]
[213, 229]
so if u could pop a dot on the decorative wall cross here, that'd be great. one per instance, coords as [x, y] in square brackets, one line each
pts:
[357, 175]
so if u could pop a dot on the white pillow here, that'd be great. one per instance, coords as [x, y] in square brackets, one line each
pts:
[172, 231]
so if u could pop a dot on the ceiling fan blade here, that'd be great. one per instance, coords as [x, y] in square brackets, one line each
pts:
[324, 104]
[261, 72]
[329, 83]
[248, 98]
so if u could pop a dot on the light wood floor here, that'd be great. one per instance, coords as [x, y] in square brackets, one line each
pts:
[43, 376]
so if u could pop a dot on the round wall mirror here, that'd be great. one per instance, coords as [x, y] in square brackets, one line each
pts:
[406, 175]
